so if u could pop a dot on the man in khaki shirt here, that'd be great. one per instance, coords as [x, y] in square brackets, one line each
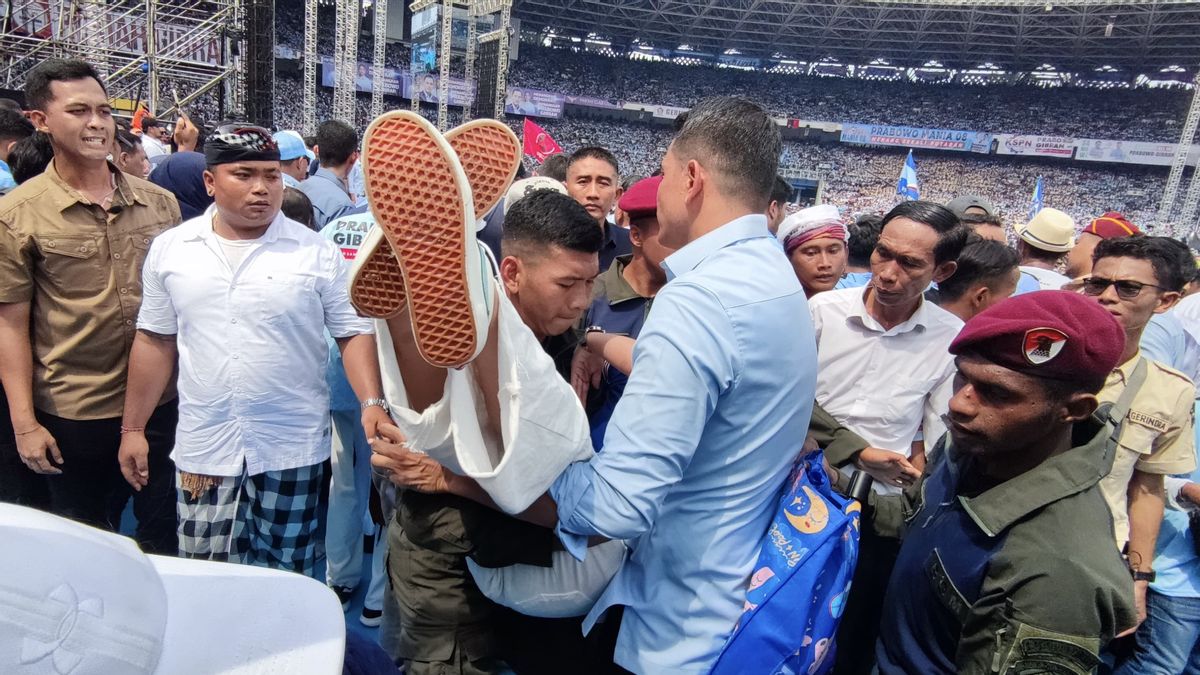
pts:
[72, 242]
[1135, 278]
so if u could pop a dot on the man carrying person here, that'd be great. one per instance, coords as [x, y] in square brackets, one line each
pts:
[241, 296]
[704, 426]
[72, 244]
[977, 587]
[328, 188]
[1135, 278]
[294, 158]
[885, 374]
[594, 180]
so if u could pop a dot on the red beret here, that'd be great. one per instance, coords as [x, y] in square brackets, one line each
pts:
[1112, 225]
[1057, 335]
[641, 199]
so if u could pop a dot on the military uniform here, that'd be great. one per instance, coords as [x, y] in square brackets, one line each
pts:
[1157, 435]
[1018, 578]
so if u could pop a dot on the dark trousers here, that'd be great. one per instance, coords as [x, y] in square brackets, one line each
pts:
[92, 490]
[859, 628]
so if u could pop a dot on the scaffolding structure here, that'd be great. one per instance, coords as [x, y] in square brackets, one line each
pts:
[377, 70]
[1166, 209]
[310, 67]
[151, 50]
[476, 9]
[345, 59]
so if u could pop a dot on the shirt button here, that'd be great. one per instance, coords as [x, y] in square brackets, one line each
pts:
[51, 244]
[145, 241]
[116, 256]
[233, 321]
[128, 322]
[83, 249]
[235, 356]
[124, 291]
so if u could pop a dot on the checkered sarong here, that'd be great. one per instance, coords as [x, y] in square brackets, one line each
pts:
[269, 520]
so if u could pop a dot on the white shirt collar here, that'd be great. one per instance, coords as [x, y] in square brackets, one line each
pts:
[918, 321]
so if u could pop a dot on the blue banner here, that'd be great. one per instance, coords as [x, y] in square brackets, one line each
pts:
[916, 137]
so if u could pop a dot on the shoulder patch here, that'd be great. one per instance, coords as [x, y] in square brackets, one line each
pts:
[1157, 423]
[1037, 650]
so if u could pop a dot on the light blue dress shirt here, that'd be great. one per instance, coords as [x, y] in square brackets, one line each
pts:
[329, 195]
[1166, 341]
[348, 233]
[711, 421]
[6, 178]
[853, 280]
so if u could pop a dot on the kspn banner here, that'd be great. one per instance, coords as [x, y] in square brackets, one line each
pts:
[534, 102]
[1130, 152]
[1037, 146]
[915, 137]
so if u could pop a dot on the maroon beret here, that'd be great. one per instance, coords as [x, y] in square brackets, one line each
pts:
[1112, 225]
[1053, 334]
[641, 199]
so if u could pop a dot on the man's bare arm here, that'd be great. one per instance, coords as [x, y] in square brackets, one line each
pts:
[35, 444]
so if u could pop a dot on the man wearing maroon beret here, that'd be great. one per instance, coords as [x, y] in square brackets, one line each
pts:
[1007, 563]
[621, 302]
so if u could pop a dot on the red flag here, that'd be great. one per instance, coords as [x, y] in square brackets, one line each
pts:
[538, 143]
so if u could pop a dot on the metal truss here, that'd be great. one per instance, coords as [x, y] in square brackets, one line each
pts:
[502, 61]
[380, 8]
[1167, 206]
[310, 67]
[152, 49]
[346, 60]
[444, 51]
[1072, 36]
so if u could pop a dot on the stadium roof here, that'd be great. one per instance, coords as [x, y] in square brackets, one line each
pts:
[1069, 35]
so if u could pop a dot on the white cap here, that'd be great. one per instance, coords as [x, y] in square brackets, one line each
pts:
[527, 186]
[83, 601]
[809, 219]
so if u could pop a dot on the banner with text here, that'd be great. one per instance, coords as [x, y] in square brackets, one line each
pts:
[1130, 152]
[1036, 146]
[534, 102]
[915, 137]
[396, 82]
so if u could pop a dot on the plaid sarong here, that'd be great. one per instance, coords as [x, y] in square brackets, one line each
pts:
[269, 520]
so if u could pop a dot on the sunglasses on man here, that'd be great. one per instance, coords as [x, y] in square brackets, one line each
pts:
[1126, 290]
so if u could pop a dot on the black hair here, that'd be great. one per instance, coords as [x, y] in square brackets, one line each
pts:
[864, 234]
[547, 218]
[952, 236]
[555, 167]
[629, 181]
[982, 261]
[9, 104]
[29, 157]
[151, 122]
[298, 207]
[1173, 263]
[337, 141]
[127, 141]
[591, 152]
[1028, 250]
[39, 79]
[310, 141]
[738, 142]
[782, 192]
[973, 219]
[14, 126]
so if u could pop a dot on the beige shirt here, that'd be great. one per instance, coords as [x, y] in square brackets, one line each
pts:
[80, 267]
[1157, 436]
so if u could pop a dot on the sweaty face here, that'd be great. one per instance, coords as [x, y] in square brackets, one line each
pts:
[247, 194]
[552, 288]
[1133, 314]
[995, 410]
[902, 264]
[79, 120]
[593, 183]
[819, 264]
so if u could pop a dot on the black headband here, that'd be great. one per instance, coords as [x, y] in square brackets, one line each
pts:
[240, 143]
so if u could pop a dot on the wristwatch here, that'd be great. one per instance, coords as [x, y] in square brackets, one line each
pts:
[589, 331]
[1139, 575]
[375, 401]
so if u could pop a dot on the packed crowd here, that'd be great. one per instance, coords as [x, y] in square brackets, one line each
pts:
[1142, 115]
[579, 435]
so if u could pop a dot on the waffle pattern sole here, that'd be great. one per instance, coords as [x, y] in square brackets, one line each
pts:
[489, 153]
[413, 187]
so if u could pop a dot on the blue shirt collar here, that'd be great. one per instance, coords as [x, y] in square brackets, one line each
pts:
[690, 256]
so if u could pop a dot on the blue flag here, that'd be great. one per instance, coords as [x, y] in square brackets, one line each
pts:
[908, 187]
[1035, 204]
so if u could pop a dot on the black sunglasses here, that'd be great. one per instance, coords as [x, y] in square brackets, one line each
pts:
[1126, 290]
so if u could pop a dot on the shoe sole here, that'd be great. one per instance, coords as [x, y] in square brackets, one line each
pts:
[421, 199]
[370, 623]
[490, 154]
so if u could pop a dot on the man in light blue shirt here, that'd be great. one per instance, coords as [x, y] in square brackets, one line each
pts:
[328, 189]
[294, 157]
[717, 404]
[713, 416]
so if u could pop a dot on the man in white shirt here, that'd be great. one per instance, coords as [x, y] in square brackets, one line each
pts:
[884, 372]
[242, 296]
[156, 138]
[1043, 242]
